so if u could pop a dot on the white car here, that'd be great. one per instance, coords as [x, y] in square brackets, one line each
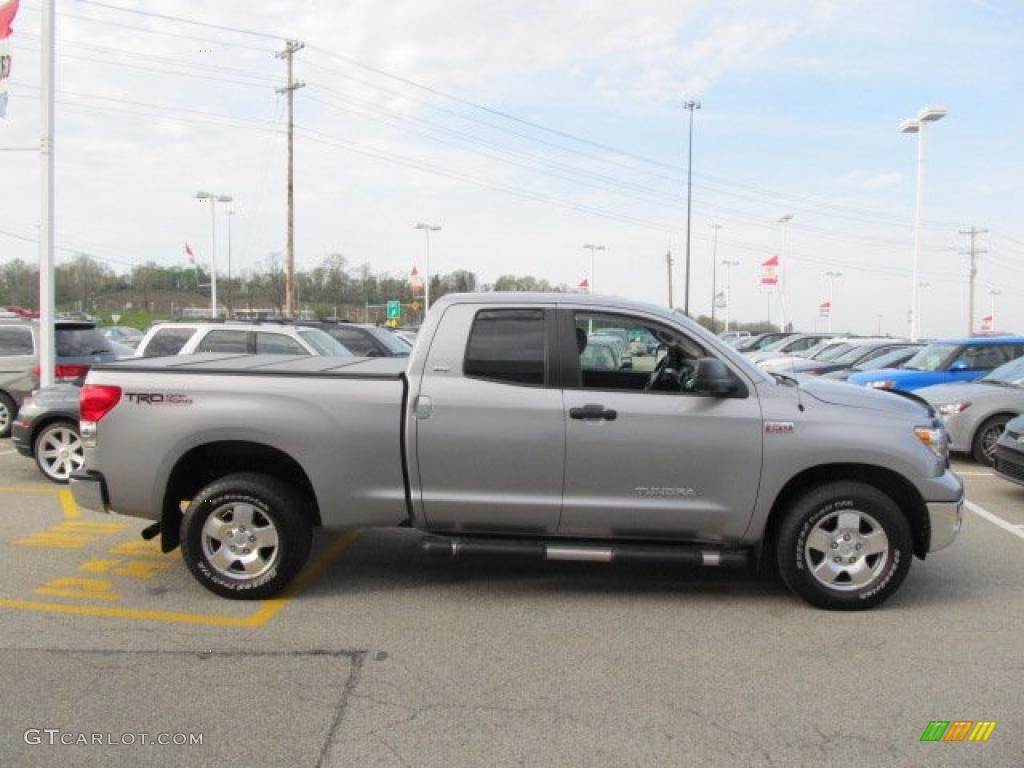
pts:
[238, 337]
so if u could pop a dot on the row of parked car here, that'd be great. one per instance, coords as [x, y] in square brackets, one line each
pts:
[976, 385]
[43, 423]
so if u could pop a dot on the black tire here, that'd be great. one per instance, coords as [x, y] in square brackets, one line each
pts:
[54, 471]
[8, 410]
[993, 424]
[822, 505]
[265, 500]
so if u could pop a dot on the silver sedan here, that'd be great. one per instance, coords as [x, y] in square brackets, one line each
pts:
[976, 413]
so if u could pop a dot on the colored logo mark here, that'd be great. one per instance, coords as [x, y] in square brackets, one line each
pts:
[958, 730]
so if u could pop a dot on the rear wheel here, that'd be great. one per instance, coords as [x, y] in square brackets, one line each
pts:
[245, 536]
[844, 546]
[8, 409]
[983, 447]
[58, 451]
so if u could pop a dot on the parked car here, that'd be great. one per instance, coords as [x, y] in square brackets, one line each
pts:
[602, 353]
[363, 340]
[46, 429]
[734, 337]
[493, 439]
[796, 344]
[944, 362]
[78, 346]
[890, 358]
[122, 334]
[839, 356]
[976, 413]
[238, 337]
[823, 352]
[1008, 459]
[761, 340]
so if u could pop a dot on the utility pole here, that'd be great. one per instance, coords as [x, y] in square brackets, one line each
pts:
[230, 289]
[668, 261]
[714, 275]
[974, 253]
[729, 264]
[784, 221]
[691, 106]
[291, 47]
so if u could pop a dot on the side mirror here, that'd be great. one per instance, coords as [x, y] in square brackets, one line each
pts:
[958, 365]
[712, 377]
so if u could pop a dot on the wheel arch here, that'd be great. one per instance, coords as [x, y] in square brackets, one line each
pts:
[40, 424]
[989, 417]
[204, 463]
[894, 485]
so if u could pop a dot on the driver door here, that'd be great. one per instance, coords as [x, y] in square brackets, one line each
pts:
[652, 462]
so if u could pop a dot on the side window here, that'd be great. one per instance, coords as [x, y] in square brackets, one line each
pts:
[15, 341]
[168, 341]
[985, 358]
[224, 341]
[617, 352]
[507, 345]
[277, 344]
[354, 341]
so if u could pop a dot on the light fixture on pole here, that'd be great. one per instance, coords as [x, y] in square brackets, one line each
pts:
[832, 276]
[592, 248]
[728, 288]
[427, 229]
[917, 125]
[784, 221]
[690, 106]
[214, 199]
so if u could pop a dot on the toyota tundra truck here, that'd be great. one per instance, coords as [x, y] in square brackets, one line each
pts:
[500, 436]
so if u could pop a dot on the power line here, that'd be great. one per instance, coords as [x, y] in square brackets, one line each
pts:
[182, 20]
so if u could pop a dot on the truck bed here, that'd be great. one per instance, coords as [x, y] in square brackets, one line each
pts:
[266, 365]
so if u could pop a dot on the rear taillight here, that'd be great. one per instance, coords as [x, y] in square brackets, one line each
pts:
[97, 400]
[66, 372]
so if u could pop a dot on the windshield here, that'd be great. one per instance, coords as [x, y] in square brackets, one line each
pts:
[776, 345]
[324, 343]
[891, 359]
[396, 345]
[829, 352]
[1011, 374]
[932, 358]
[853, 354]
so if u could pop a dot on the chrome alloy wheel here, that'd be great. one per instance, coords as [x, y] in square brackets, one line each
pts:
[847, 550]
[59, 452]
[240, 542]
[5, 417]
[988, 441]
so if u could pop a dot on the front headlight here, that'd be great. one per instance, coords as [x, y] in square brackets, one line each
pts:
[948, 409]
[933, 438]
[883, 384]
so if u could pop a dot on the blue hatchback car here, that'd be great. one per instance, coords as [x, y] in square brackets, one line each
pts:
[943, 362]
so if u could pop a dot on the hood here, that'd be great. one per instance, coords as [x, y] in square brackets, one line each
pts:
[841, 393]
[950, 393]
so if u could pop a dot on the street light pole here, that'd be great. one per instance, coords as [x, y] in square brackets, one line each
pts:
[917, 125]
[831, 303]
[593, 249]
[214, 199]
[427, 228]
[992, 293]
[691, 106]
[47, 312]
[230, 304]
[784, 221]
[728, 288]
[714, 275]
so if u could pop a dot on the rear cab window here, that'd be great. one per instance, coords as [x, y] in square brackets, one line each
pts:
[509, 346]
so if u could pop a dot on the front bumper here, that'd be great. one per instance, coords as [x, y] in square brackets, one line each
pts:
[90, 491]
[944, 517]
[1009, 463]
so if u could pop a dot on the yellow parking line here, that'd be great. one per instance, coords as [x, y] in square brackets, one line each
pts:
[26, 489]
[67, 504]
[265, 613]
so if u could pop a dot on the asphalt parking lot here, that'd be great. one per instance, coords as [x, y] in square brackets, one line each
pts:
[382, 657]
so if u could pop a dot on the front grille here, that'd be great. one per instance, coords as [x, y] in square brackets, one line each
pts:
[1007, 464]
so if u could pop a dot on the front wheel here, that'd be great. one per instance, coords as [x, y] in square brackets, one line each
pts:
[983, 447]
[844, 546]
[245, 536]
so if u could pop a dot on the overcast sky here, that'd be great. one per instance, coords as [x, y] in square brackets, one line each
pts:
[801, 102]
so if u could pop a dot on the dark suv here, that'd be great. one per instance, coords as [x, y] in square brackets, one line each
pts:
[363, 340]
[79, 346]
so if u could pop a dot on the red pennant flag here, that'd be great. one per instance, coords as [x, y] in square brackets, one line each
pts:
[7, 13]
[191, 256]
[584, 284]
[772, 262]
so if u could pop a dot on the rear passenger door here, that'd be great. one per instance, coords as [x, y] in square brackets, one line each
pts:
[976, 360]
[17, 361]
[487, 425]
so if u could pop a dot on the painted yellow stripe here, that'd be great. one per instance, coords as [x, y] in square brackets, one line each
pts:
[265, 613]
[67, 504]
[26, 489]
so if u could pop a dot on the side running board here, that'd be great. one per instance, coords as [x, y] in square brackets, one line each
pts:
[680, 554]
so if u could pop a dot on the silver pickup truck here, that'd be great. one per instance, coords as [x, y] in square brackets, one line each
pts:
[502, 436]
